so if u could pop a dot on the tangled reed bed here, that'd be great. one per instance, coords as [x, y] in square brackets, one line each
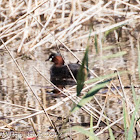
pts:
[29, 29]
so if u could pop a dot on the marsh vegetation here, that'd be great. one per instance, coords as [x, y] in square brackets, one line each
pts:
[105, 34]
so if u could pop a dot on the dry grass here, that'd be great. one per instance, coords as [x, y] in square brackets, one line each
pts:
[32, 29]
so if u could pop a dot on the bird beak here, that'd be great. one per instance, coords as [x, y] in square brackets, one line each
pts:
[49, 59]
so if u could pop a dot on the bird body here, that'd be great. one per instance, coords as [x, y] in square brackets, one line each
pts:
[63, 71]
[60, 73]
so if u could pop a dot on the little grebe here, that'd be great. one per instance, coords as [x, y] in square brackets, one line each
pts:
[59, 73]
